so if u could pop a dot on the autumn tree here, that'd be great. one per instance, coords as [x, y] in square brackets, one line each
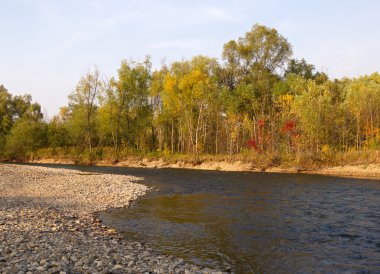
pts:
[363, 102]
[253, 65]
[125, 111]
[256, 101]
[83, 107]
[315, 112]
[187, 96]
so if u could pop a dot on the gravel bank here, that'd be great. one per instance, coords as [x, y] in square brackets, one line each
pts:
[48, 225]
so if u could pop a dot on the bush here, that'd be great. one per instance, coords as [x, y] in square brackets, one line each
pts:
[25, 137]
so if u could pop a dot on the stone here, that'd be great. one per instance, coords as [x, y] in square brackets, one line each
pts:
[115, 267]
[37, 201]
[53, 270]
[98, 264]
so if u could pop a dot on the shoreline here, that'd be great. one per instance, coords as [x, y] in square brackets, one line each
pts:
[364, 171]
[49, 218]
[49, 224]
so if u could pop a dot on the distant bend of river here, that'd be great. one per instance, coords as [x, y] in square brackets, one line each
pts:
[256, 222]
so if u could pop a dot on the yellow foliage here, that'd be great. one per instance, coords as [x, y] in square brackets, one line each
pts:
[166, 151]
[285, 101]
[374, 132]
[325, 148]
[169, 82]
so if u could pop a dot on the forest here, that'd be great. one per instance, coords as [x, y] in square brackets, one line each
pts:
[255, 102]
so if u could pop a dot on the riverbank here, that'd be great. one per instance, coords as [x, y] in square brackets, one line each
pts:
[48, 224]
[358, 171]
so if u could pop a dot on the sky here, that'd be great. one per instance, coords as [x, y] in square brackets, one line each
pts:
[47, 45]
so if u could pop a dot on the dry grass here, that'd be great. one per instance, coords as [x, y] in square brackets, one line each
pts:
[257, 160]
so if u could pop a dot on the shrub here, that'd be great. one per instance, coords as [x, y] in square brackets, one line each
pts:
[25, 137]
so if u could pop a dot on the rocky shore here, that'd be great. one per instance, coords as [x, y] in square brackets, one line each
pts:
[48, 224]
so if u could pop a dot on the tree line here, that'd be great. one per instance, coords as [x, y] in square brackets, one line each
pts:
[256, 100]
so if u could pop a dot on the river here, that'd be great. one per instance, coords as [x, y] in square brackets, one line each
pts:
[255, 222]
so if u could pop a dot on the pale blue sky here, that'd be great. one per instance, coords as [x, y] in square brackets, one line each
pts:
[47, 45]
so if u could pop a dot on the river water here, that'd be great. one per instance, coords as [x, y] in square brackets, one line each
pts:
[256, 222]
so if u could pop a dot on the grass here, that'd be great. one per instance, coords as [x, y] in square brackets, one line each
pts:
[261, 160]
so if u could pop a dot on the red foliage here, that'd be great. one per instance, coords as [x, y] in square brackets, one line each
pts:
[252, 144]
[256, 144]
[289, 126]
[290, 129]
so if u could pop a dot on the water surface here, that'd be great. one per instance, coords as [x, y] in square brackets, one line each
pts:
[256, 222]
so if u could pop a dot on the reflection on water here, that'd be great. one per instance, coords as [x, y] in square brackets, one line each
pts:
[179, 223]
[257, 223]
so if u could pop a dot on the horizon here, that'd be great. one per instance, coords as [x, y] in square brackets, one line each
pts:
[48, 46]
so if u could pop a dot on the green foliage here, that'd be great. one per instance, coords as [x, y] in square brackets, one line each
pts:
[301, 68]
[259, 105]
[13, 110]
[125, 115]
[83, 107]
[262, 48]
[25, 137]
[315, 112]
[58, 135]
[6, 115]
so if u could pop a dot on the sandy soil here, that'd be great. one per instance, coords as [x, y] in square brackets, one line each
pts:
[358, 171]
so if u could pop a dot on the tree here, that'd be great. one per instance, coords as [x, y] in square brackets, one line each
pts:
[14, 108]
[6, 115]
[83, 105]
[315, 112]
[253, 67]
[125, 112]
[155, 93]
[363, 102]
[189, 89]
[24, 138]
[300, 68]
[58, 135]
[261, 49]
[23, 107]
[257, 100]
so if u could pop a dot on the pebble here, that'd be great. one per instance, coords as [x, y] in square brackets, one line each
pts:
[48, 224]
[115, 267]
